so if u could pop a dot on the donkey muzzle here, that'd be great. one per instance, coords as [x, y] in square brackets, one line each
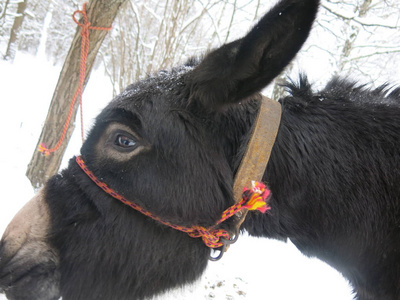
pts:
[28, 264]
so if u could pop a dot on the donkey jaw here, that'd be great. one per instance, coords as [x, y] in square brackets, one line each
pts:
[28, 264]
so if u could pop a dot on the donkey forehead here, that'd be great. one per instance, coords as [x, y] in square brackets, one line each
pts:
[161, 103]
[163, 89]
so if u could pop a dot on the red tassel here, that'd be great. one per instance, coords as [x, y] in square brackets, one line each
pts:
[257, 196]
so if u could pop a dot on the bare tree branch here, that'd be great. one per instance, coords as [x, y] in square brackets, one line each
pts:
[374, 54]
[358, 20]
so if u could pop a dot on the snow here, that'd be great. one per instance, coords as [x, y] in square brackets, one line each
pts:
[251, 269]
[266, 269]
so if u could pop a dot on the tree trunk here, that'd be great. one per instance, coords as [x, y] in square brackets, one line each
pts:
[11, 47]
[4, 9]
[100, 13]
[352, 36]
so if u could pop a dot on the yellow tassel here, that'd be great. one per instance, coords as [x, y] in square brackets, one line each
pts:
[255, 203]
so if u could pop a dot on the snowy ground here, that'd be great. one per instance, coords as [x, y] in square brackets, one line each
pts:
[252, 269]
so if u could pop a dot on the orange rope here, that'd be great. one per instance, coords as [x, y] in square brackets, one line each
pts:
[85, 27]
[252, 199]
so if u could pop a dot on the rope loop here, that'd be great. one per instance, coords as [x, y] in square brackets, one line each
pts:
[86, 24]
[85, 28]
[211, 238]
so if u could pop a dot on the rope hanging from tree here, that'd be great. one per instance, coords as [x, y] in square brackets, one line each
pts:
[85, 30]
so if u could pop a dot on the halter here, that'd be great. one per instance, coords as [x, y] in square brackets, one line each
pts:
[253, 199]
[252, 166]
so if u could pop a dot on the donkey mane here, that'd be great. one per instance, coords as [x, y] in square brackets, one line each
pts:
[342, 89]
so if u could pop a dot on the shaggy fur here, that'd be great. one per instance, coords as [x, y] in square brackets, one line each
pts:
[173, 142]
[333, 173]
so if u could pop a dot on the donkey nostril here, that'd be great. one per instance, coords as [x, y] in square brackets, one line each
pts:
[5, 256]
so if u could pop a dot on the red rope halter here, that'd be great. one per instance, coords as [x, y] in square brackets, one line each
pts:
[253, 199]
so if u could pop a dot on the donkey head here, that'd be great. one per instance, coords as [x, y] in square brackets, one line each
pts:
[170, 143]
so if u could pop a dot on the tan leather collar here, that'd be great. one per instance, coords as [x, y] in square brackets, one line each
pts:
[258, 151]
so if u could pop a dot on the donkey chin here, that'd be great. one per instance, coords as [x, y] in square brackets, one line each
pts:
[28, 264]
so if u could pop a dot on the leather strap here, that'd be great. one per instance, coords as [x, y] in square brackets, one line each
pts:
[258, 151]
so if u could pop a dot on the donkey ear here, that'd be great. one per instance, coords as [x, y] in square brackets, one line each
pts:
[238, 70]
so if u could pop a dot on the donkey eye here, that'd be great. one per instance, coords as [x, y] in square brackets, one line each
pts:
[124, 141]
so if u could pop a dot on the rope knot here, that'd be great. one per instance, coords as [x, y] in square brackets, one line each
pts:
[43, 149]
[85, 28]
[212, 238]
[83, 13]
[86, 24]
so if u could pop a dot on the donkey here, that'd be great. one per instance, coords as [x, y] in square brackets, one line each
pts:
[172, 144]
